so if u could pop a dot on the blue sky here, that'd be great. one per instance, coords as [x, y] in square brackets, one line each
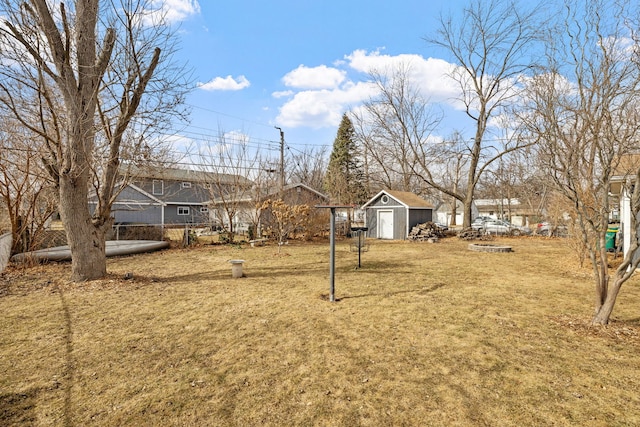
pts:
[300, 64]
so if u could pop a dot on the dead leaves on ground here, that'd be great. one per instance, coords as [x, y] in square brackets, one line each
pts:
[619, 331]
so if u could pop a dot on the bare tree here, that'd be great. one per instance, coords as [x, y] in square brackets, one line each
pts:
[501, 184]
[398, 127]
[95, 81]
[584, 114]
[389, 127]
[229, 161]
[490, 48]
[283, 219]
[533, 187]
[453, 161]
[25, 187]
[308, 166]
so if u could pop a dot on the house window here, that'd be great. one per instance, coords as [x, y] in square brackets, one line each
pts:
[204, 210]
[158, 187]
[186, 184]
[384, 199]
[183, 210]
[207, 186]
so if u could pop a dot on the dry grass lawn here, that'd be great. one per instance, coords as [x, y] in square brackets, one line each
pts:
[422, 334]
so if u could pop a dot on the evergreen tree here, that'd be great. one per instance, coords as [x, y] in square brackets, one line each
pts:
[344, 180]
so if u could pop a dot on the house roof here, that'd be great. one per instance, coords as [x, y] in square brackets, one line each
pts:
[628, 165]
[301, 185]
[496, 202]
[243, 199]
[176, 174]
[410, 200]
[131, 187]
[250, 198]
[146, 194]
[625, 170]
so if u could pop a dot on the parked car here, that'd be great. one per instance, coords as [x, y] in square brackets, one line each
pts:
[478, 223]
[441, 226]
[548, 229]
[498, 226]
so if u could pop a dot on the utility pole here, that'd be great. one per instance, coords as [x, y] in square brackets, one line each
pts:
[281, 160]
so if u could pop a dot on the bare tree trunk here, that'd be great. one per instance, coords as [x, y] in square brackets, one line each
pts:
[467, 210]
[454, 213]
[603, 313]
[232, 228]
[454, 206]
[86, 240]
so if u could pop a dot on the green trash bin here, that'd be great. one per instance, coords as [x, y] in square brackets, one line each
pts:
[610, 239]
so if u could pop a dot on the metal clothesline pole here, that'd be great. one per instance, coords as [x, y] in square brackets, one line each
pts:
[332, 243]
[332, 256]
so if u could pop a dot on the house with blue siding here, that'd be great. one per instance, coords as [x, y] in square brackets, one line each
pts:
[392, 214]
[136, 206]
[170, 196]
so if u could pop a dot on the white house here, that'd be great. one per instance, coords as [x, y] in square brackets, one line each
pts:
[622, 186]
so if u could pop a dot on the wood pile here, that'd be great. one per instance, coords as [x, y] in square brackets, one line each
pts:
[471, 234]
[426, 231]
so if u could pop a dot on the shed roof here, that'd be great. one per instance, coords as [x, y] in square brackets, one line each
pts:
[408, 199]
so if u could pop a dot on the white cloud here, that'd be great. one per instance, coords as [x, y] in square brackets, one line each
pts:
[282, 94]
[322, 108]
[172, 11]
[430, 74]
[226, 83]
[321, 77]
[179, 143]
[236, 137]
[330, 91]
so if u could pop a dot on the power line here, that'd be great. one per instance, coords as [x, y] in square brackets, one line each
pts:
[249, 121]
[211, 133]
[228, 138]
[229, 115]
[175, 153]
[217, 166]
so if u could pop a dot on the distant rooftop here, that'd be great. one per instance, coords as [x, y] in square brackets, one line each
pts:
[496, 202]
[177, 174]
